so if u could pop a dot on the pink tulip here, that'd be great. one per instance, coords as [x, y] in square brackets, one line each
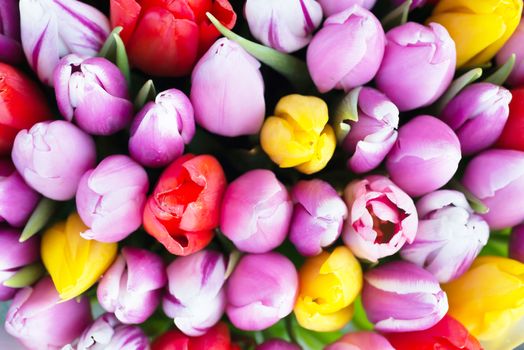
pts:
[361, 341]
[10, 48]
[515, 45]
[277, 344]
[331, 7]
[516, 243]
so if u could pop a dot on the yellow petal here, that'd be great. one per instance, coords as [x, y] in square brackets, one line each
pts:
[319, 322]
[310, 113]
[325, 148]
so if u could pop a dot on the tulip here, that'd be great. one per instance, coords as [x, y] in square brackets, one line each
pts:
[261, 291]
[10, 48]
[511, 136]
[382, 218]
[516, 243]
[256, 212]
[402, 297]
[276, 24]
[489, 301]
[236, 106]
[330, 7]
[216, 338]
[74, 263]
[514, 46]
[131, 287]
[329, 283]
[478, 28]
[93, 91]
[496, 177]
[161, 129]
[17, 199]
[110, 199]
[195, 298]
[52, 157]
[14, 256]
[414, 3]
[318, 216]
[166, 38]
[277, 344]
[412, 51]
[449, 235]
[373, 135]
[107, 333]
[477, 115]
[347, 51]
[448, 334]
[361, 341]
[22, 104]
[425, 157]
[53, 29]
[185, 205]
[298, 134]
[40, 320]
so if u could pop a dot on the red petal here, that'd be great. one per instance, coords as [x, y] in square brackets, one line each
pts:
[216, 338]
[223, 11]
[124, 13]
[171, 340]
[513, 134]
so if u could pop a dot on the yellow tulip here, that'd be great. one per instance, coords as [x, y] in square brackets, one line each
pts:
[478, 27]
[489, 301]
[74, 263]
[329, 284]
[298, 134]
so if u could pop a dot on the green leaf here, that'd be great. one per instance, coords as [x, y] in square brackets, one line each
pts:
[397, 17]
[346, 111]
[495, 247]
[360, 319]
[313, 340]
[38, 219]
[476, 204]
[115, 51]
[294, 69]
[26, 276]
[455, 87]
[232, 262]
[502, 73]
[146, 93]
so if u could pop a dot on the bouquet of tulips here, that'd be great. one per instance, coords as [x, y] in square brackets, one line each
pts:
[262, 174]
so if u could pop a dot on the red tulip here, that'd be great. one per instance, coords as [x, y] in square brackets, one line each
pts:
[513, 134]
[448, 334]
[166, 37]
[216, 338]
[22, 104]
[185, 205]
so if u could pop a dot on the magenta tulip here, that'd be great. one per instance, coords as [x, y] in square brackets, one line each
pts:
[10, 48]
[277, 344]
[361, 341]
[516, 243]
[515, 45]
[330, 7]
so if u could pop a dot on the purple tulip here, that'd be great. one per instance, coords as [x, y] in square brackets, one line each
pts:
[318, 216]
[227, 91]
[17, 199]
[53, 29]
[162, 128]
[195, 298]
[414, 3]
[262, 290]
[361, 341]
[478, 115]
[93, 91]
[52, 157]
[496, 177]
[330, 7]
[425, 156]
[402, 297]
[39, 319]
[10, 48]
[414, 51]
[131, 287]
[286, 26]
[14, 255]
[256, 212]
[449, 235]
[110, 199]
[516, 243]
[347, 51]
[371, 137]
[277, 344]
[515, 45]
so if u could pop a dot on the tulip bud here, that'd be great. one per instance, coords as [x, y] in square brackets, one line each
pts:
[425, 156]
[516, 243]
[131, 287]
[496, 177]
[261, 291]
[40, 320]
[488, 301]
[381, 218]
[53, 29]
[236, 106]
[298, 135]
[53, 156]
[511, 136]
[161, 129]
[329, 283]
[17, 199]
[93, 91]
[330, 7]
[256, 212]
[74, 263]
[478, 28]
[14, 256]
[216, 338]
[361, 341]
[277, 344]
[347, 51]
[372, 136]
[318, 216]
[10, 48]
[449, 235]
[185, 205]
[110, 199]
[514, 46]
[402, 297]
[477, 115]
[286, 26]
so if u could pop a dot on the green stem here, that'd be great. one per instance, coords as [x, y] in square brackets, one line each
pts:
[146, 93]
[397, 17]
[290, 329]
[502, 73]
[455, 87]
[38, 219]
